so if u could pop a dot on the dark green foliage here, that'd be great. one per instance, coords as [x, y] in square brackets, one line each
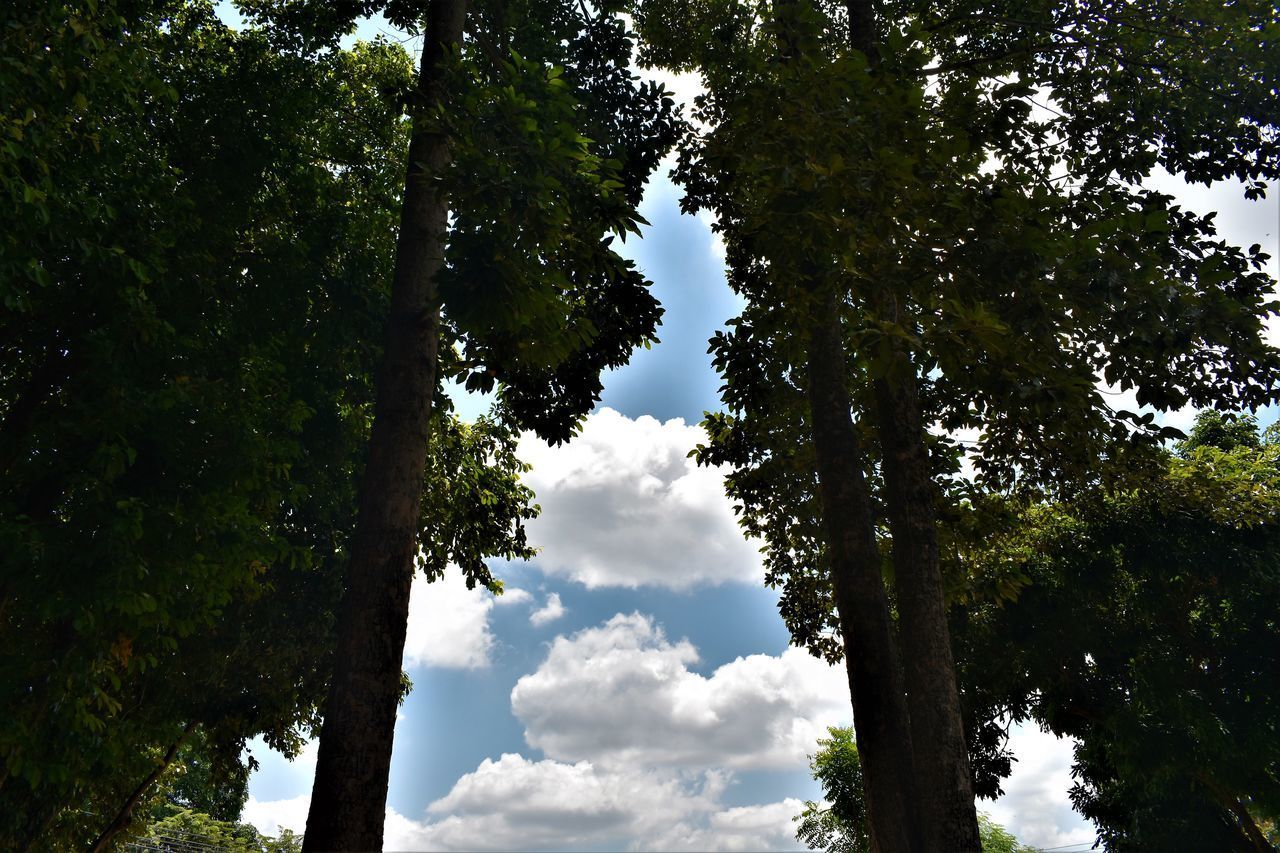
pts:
[1142, 623]
[203, 780]
[1019, 275]
[554, 141]
[1188, 86]
[477, 506]
[999, 257]
[170, 447]
[194, 269]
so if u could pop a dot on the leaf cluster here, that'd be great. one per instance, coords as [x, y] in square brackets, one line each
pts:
[188, 827]
[1141, 623]
[553, 141]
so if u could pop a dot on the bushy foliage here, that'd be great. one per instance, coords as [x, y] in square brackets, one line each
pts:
[194, 269]
[1140, 621]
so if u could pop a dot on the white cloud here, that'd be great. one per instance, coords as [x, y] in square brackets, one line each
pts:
[513, 595]
[622, 694]
[518, 804]
[718, 249]
[277, 777]
[515, 803]
[449, 624]
[274, 815]
[748, 828]
[1035, 806]
[623, 505]
[684, 86]
[640, 750]
[549, 612]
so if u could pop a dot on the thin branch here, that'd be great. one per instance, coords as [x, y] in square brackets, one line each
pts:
[125, 815]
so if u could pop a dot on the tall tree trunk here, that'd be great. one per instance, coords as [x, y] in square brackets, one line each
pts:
[944, 784]
[875, 681]
[125, 816]
[348, 800]
[943, 781]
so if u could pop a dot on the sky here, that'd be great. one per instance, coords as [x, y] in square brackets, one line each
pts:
[634, 687]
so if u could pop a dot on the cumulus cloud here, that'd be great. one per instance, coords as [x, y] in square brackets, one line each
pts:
[274, 815]
[518, 804]
[512, 595]
[639, 751]
[624, 506]
[622, 694]
[747, 828]
[1036, 807]
[549, 612]
[449, 624]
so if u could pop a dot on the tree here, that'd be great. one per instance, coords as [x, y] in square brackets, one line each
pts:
[187, 829]
[202, 783]
[840, 825]
[1139, 621]
[895, 214]
[529, 145]
[1225, 431]
[194, 271]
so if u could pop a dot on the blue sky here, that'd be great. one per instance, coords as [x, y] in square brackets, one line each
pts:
[634, 688]
[633, 535]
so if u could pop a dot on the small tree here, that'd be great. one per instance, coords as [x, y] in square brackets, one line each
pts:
[839, 825]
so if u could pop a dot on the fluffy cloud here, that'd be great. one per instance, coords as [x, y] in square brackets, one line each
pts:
[549, 612]
[449, 624]
[640, 750]
[512, 595]
[622, 694]
[1035, 806]
[518, 804]
[623, 505]
[747, 828]
[274, 815]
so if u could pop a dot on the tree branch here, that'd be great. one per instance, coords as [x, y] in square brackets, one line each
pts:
[125, 815]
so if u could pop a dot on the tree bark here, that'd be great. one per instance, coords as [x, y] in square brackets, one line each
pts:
[125, 816]
[348, 799]
[944, 784]
[875, 681]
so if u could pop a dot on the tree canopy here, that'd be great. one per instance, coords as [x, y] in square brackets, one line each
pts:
[1140, 622]
[241, 270]
[935, 214]
[196, 266]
